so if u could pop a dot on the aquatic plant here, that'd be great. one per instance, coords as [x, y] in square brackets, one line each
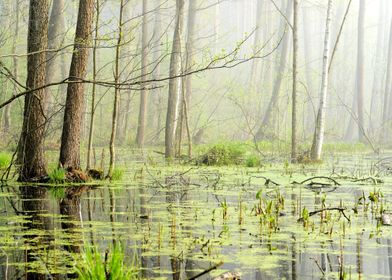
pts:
[92, 266]
[117, 174]
[57, 176]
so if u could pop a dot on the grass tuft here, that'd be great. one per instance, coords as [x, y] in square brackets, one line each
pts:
[57, 176]
[110, 266]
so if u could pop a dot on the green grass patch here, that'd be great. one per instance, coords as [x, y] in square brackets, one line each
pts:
[93, 265]
[57, 176]
[117, 174]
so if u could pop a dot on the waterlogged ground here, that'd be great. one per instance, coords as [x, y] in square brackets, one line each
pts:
[178, 221]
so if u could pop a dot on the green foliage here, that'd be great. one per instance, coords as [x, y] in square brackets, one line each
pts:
[5, 160]
[57, 192]
[57, 176]
[117, 174]
[223, 154]
[252, 161]
[93, 266]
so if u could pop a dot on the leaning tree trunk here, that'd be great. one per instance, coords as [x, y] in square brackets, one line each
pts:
[320, 121]
[143, 94]
[294, 93]
[70, 138]
[279, 78]
[31, 150]
[175, 68]
[360, 71]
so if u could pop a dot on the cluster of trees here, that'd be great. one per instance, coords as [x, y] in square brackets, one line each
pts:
[124, 54]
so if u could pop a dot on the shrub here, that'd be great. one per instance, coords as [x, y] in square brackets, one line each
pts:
[112, 266]
[223, 154]
[57, 176]
[252, 161]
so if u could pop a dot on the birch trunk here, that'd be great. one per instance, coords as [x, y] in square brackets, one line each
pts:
[320, 121]
[174, 83]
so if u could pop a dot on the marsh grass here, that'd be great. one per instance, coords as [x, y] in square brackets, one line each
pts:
[112, 265]
[57, 176]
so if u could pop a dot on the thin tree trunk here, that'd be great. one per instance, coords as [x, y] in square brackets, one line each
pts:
[93, 105]
[360, 70]
[387, 91]
[378, 78]
[294, 94]
[320, 121]
[175, 67]
[8, 108]
[70, 138]
[32, 138]
[144, 71]
[55, 25]
[278, 81]
[116, 93]
[255, 70]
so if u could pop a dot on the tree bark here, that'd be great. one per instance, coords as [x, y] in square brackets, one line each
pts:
[320, 121]
[71, 134]
[255, 70]
[144, 71]
[175, 68]
[31, 149]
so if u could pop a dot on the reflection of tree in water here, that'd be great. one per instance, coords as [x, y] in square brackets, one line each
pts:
[71, 223]
[35, 205]
[42, 252]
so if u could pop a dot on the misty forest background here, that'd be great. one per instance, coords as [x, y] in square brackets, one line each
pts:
[205, 71]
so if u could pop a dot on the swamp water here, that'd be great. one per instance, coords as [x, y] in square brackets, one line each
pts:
[176, 222]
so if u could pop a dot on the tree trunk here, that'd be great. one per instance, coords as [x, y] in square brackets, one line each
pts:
[278, 81]
[93, 105]
[144, 71]
[387, 91]
[320, 121]
[360, 71]
[8, 108]
[70, 138]
[31, 150]
[294, 94]
[175, 68]
[254, 83]
[116, 93]
[55, 26]
[378, 78]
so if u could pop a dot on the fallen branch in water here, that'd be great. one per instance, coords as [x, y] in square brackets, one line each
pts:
[341, 210]
[206, 271]
[267, 180]
[317, 177]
